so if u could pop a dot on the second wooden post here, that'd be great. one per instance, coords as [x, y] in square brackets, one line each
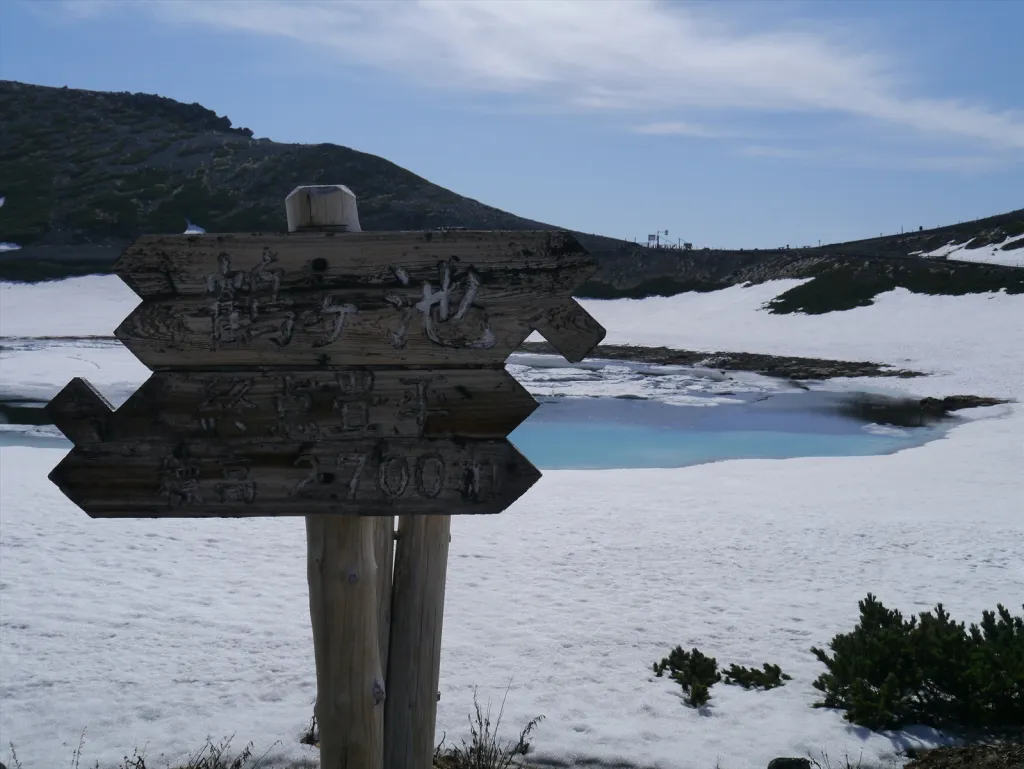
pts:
[414, 655]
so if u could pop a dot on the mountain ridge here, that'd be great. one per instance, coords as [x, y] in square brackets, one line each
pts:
[85, 172]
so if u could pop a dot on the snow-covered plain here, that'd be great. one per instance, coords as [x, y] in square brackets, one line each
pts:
[159, 633]
[994, 253]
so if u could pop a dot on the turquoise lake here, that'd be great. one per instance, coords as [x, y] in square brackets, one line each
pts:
[606, 433]
[568, 432]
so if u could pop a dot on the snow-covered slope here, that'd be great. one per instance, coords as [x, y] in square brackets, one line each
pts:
[973, 344]
[993, 253]
[159, 633]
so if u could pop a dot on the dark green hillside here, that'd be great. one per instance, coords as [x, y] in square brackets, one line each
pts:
[84, 172]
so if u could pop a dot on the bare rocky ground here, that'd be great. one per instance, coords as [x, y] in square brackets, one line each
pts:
[1008, 756]
[785, 367]
[906, 412]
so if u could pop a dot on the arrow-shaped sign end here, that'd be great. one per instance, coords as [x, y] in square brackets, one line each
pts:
[68, 477]
[523, 471]
[80, 412]
[59, 476]
[145, 283]
[570, 329]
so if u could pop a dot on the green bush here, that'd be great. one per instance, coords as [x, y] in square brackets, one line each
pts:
[694, 672]
[769, 677]
[929, 670]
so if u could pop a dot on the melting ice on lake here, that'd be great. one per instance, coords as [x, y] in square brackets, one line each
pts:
[595, 415]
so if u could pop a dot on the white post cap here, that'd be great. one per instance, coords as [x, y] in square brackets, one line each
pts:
[322, 207]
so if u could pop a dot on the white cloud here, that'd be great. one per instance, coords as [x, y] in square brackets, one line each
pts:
[645, 55]
[853, 157]
[766, 151]
[676, 128]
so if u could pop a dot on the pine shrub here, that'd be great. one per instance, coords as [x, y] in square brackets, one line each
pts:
[693, 671]
[769, 677]
[891, 672]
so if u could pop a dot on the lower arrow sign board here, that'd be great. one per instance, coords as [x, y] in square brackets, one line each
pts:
[254, 478]
[299, 405]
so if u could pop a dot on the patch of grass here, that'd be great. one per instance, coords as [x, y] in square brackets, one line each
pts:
[210, 756]
[856, 285]
[824, 761]
[659, 286]
[842, 288]
[485, 749]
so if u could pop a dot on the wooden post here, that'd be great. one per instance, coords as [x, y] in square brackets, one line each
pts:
[414, 657]
[343, 608]
[333, 404]
[345, 579]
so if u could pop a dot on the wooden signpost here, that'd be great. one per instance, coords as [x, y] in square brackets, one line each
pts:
[349, 377]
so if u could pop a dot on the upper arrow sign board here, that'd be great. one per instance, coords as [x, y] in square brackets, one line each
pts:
[351, 299]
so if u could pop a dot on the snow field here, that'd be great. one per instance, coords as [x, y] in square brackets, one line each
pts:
[160, 633]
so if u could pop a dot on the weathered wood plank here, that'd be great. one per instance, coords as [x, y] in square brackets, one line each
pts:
[466, 298]
[461, 324]
[270, 478]
[342, 404]
[158, 266]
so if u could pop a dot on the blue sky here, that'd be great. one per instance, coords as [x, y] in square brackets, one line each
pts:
[731, 123]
